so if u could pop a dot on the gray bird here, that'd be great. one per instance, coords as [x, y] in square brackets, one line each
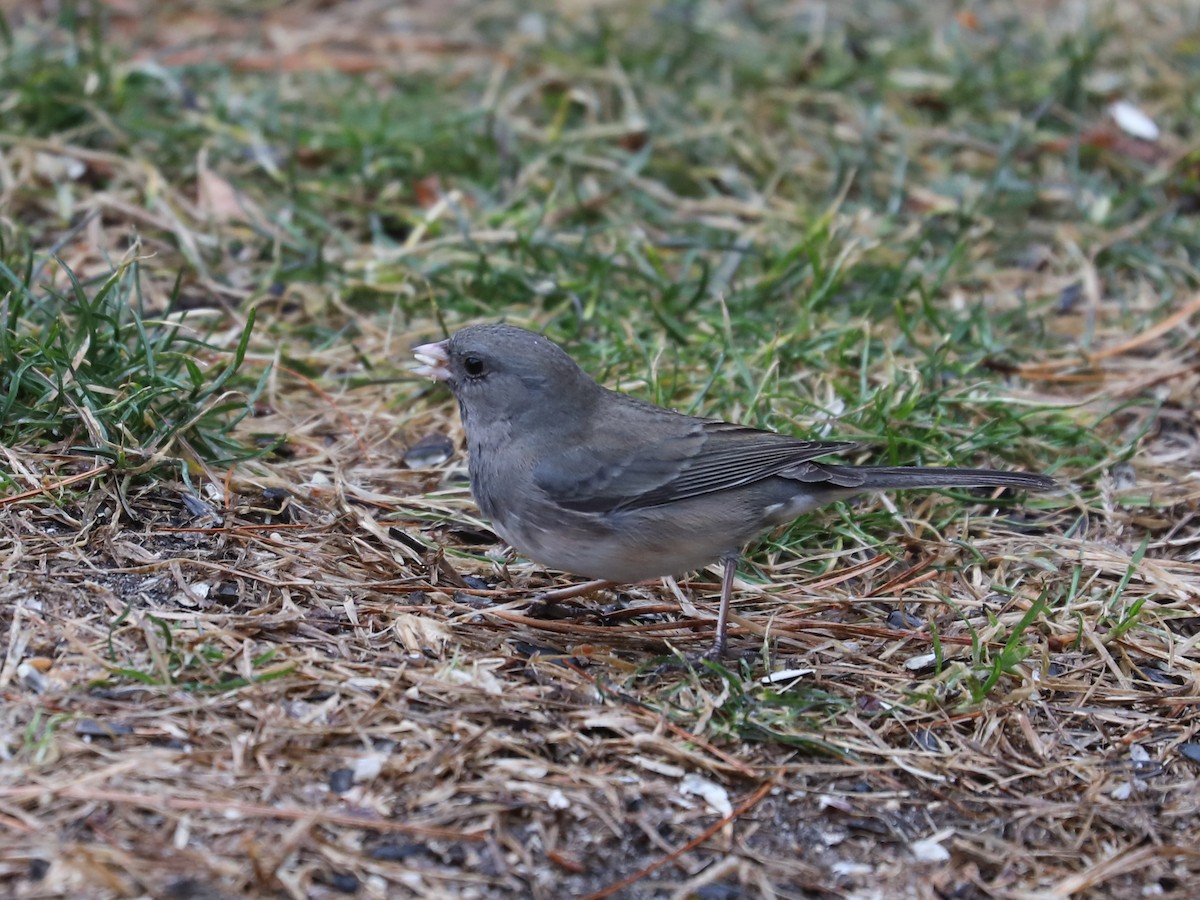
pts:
[586, 480]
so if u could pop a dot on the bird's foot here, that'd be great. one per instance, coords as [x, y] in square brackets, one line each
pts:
[548, 604]
[717, 653]
[540, 608]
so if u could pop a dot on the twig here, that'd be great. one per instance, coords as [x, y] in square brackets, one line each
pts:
[690, 845]
[160, 803]
[47, 488]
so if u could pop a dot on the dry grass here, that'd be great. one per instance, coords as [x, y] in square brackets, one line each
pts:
[317, 679]
[329, 690]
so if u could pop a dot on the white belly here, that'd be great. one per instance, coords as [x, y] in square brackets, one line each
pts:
[625, 551]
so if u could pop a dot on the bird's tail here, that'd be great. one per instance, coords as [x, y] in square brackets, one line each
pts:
[878, 478]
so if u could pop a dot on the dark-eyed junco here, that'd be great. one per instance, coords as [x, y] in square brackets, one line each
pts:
[587, 480]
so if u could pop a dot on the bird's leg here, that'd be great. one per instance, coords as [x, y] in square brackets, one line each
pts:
[546, 604]
[717, 650]
[574, 590]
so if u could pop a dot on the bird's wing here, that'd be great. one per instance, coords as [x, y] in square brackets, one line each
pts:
[703, 457]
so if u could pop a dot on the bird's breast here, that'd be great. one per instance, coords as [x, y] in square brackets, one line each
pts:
[621, 546]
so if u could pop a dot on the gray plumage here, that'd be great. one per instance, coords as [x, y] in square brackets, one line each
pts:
[598, 483]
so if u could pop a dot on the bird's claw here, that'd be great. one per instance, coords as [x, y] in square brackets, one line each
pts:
[542, 607]
[717, 653]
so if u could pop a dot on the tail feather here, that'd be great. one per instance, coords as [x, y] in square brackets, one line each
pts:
[870, 478]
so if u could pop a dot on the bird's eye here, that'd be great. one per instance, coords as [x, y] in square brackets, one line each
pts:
[474, 366]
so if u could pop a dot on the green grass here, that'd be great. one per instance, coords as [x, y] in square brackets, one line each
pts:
[900, 223]
[735, 219]
[88, 370]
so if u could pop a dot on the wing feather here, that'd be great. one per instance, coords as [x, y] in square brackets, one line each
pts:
[707, 457]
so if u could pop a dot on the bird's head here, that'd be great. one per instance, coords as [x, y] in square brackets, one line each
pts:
[501, 372]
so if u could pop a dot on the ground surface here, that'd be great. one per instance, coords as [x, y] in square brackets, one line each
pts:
[313, 672]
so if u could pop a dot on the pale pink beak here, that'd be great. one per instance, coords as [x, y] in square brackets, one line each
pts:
[435, 361]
